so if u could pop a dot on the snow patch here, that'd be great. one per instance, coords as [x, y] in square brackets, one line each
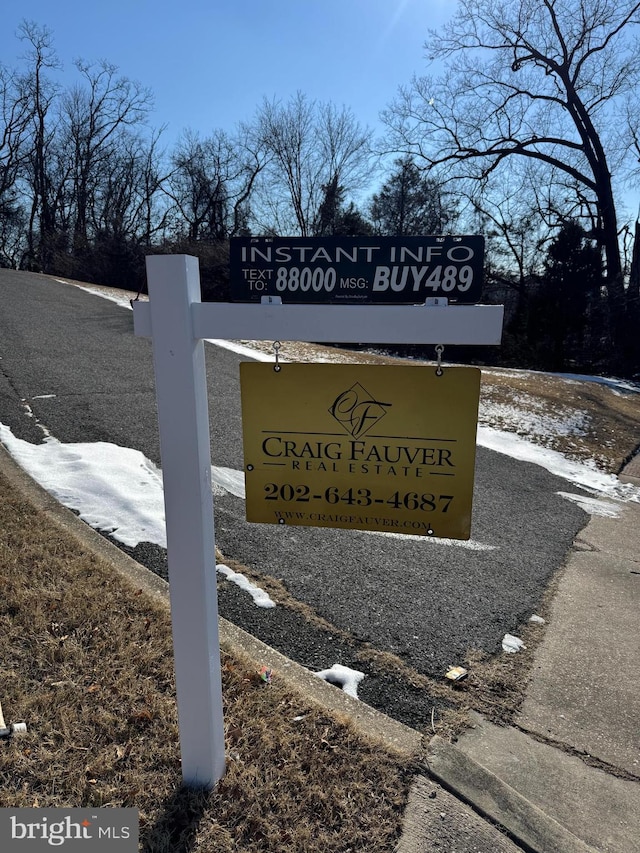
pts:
[531, 418]
[344, 677]
[242, 349]
[582, 474]
[470, 544]
[593, 506]
[260, 597]
[511, 644]
[228, 480]
[112, 296]
[114, 489]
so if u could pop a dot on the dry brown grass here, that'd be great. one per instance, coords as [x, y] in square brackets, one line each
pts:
[86, 661]
[608, 432]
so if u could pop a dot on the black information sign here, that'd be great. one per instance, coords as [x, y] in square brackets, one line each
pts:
[357, 269]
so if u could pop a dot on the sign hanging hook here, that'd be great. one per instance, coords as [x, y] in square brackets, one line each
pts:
[439, 351]
[276, 348]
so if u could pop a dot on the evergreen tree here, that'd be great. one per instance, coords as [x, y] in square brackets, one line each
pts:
[334, 217]
[568, 317]
[410, 203]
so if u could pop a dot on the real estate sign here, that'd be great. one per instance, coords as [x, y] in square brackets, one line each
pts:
[357, 269]
[379, 447]
[374, 447]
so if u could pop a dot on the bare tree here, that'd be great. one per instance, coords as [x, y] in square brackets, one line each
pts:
[15, 119]
[312, 146]
[212, 181]
[41, 93]
[126, 202]
[95, 114]
[546, 80]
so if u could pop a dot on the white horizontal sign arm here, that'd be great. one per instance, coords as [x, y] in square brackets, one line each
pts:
[398, 324]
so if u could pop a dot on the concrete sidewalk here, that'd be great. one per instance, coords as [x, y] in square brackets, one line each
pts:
[566, 777]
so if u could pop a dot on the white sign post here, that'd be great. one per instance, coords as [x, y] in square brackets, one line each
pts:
[177, 322]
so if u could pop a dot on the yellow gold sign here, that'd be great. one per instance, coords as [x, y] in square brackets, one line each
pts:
[374, 447]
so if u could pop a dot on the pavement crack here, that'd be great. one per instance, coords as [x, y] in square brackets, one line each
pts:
[585, 757]
[581, 545]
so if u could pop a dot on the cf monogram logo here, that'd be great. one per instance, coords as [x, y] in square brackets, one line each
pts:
[357, 411]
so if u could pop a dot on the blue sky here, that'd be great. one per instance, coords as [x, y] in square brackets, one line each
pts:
[209, 64]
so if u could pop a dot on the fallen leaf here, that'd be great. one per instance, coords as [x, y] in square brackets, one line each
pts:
[141, 716]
